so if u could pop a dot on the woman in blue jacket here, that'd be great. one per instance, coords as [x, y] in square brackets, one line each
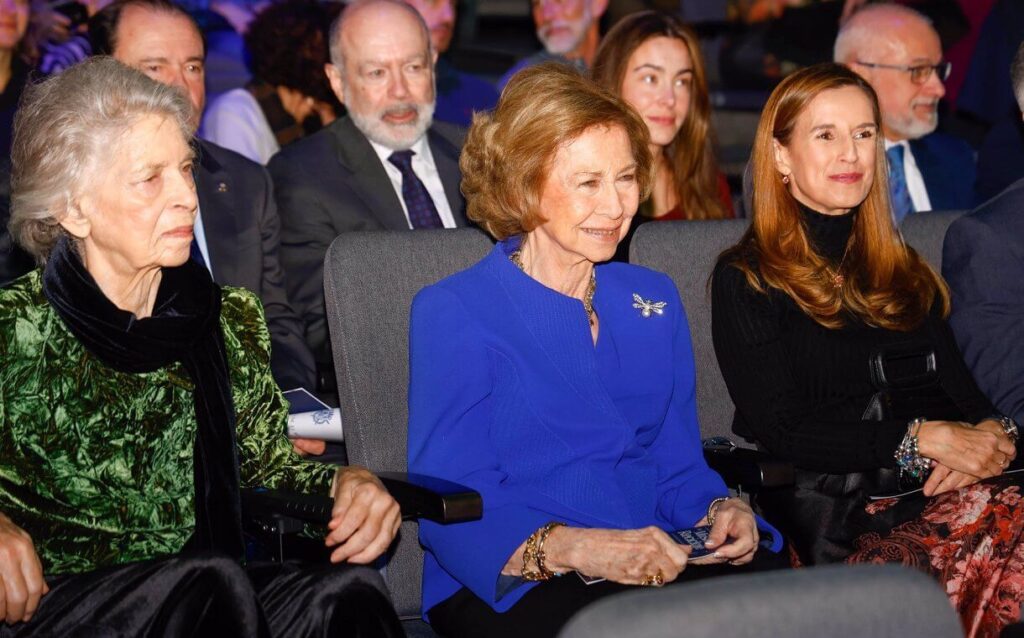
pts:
[560, 389]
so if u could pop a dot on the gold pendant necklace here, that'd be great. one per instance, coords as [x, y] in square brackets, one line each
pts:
[516, 257]
[837, 277]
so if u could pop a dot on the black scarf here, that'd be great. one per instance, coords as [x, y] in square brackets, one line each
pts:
[185, 327]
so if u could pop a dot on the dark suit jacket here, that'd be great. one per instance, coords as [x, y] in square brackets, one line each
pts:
[333, 182]
[236, 200]
[983, 261]
[947, 165]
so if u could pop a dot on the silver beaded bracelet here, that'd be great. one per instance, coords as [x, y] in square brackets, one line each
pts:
[908, 457]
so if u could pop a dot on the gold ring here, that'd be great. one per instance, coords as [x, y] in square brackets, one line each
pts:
[657, 580]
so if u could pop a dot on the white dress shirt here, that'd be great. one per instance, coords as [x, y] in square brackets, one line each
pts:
[915, 181]
[424, 167]
[235, 121]
[200, 235]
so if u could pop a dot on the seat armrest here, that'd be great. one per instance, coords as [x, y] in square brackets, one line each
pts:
[418, 496]
[432, 498]
[748, 470]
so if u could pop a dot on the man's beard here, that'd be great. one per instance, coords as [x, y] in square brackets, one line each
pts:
[911, 126]
[397, 137]
[564, 44]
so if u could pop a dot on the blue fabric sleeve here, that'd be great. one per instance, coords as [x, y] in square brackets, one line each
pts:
[450, 407]
[685, 492]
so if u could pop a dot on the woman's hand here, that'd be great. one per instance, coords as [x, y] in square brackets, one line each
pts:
[631, 557]
[977, 451]
[943, 479]
[735, 523]
[365, 517]
[21, 574]
[995, 427]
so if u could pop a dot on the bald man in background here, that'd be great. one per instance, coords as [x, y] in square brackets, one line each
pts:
[898, 52]
[386, 165]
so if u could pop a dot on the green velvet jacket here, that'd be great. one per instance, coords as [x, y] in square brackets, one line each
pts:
[96, 464]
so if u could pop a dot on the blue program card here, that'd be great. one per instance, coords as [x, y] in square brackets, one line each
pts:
[695, 537]
[301, 401]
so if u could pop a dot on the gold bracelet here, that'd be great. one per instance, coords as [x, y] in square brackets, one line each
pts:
[713, 508]
[534, 551]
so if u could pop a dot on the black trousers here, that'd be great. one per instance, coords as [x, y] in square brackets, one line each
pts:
[546, 608]
[210, 595]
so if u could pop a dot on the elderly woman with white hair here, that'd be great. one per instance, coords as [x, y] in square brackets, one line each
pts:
[136, 398]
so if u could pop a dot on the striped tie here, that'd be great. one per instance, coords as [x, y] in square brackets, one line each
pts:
[902, 205]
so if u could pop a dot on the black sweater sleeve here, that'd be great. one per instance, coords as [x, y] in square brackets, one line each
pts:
[747, 332]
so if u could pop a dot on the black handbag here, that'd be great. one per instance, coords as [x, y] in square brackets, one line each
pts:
[906, 381]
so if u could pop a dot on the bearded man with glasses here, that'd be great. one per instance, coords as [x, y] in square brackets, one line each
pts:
[898, 52]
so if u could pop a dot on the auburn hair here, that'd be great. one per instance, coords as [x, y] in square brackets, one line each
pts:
[508, 153]
[887, 284]
[692, 153]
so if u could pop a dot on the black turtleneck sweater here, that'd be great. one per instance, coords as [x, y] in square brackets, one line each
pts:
[800, 389]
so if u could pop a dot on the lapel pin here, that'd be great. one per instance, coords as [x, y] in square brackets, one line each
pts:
[222, 187]
[647, 307]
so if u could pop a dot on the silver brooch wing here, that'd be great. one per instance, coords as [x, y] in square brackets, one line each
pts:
[647, 307]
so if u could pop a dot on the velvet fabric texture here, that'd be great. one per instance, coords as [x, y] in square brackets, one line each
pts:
[96, 464]
[184, 327]
[207, 594]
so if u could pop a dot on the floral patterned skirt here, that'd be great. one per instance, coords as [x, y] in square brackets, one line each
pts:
[972, 541]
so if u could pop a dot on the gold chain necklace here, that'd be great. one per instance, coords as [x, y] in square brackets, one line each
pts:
[588, 297]
[837, 277]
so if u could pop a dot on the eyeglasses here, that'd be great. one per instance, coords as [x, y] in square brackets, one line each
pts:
[920, 73]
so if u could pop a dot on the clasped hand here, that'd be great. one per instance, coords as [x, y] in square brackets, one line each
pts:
[963, 454]
[365, 517]
[634, 556]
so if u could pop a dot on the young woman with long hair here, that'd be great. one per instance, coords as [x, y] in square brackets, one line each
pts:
[653, 61]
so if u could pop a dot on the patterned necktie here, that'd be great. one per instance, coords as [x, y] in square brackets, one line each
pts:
[902, 205]
[422, 212]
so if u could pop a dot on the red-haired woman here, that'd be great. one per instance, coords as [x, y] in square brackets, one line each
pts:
[832, 338]
[653, 61]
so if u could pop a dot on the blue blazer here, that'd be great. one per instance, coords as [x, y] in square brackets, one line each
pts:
[509, 395]
[947, 166]
[983, 261]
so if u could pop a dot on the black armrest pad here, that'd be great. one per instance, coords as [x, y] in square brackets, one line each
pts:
[749, 470]
[263, 503]
[418, 496]
[432, 498]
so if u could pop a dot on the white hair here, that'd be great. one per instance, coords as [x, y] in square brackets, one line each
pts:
[63, 132]
[864, 31]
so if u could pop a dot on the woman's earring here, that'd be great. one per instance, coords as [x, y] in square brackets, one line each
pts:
[785, 179]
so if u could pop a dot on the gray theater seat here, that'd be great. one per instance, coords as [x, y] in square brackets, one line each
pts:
[926, 232]
[838, 601]
[687, 252]
[370, 280]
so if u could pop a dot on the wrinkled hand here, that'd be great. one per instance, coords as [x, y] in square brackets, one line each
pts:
[21, 574]
[624, 556]
[995, 427]
[365, 518]
[971, 450]
[943, 479]
[309, 447]
[734, 535]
